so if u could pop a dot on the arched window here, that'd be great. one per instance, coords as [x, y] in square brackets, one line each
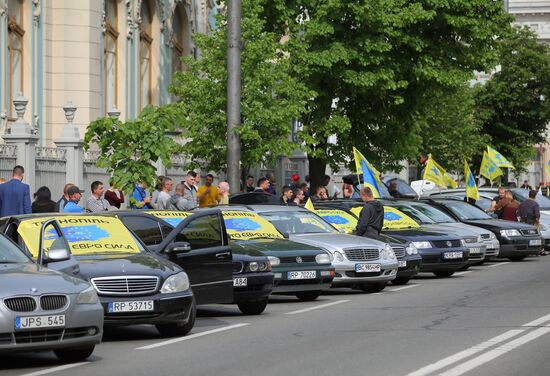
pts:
[15, 50]
[180, 38]
[146, 40]
[110, 54]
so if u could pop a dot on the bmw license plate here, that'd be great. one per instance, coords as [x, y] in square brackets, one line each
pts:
[240, 282]
[302, 275]
[402, 263]
[32, 322]
[367, 268]
[475, 250]
[452, 255]
[135, 306]
[535, 242]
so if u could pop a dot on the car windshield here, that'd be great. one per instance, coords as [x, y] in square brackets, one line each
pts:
[414, 214]
[465, 211]
[299, 222]
[246, 225]
[434, 214]
[9, 253]
[523, 194]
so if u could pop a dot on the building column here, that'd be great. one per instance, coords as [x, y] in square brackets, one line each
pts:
[4, 56]
[73, 144]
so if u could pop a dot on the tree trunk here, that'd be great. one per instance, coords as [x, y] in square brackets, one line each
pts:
[317, 168]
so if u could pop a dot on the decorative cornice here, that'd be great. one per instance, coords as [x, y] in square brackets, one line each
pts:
[103, 17]
[129, 19]
[3, 8]
[36, 12]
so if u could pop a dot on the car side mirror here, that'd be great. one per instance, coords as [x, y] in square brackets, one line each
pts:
[58, 252]
[178, 247]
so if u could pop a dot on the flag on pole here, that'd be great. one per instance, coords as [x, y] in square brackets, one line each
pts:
[498, 158]
[309, 205]
[488, 168]
[449, 181]
[471, 186]
[371, 176]
[435, 173]
[548, 167]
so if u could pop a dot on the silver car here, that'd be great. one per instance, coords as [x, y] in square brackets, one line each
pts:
[42, 309]
[358, 261]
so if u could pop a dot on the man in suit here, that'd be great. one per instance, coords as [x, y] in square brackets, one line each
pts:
[15, 196]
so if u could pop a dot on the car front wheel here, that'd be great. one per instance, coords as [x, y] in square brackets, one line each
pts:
[74, 355]
[307, 296]
[252, 308]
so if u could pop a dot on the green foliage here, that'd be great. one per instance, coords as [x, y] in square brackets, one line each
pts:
[271, 97]
[514, 105]
[130, 149]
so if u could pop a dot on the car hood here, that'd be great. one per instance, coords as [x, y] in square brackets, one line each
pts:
[279, 247]
[460, 225]
[92, 266]
[419, 234]
[27, 279]
[450, 230]
[337, 241]
[244, 248]
[498, 224]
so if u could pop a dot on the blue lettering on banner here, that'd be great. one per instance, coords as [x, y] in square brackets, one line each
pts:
[388, 216]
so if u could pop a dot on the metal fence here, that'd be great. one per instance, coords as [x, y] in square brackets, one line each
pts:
[177, 172]
[51, 169]
[8, 160]
[92, 172]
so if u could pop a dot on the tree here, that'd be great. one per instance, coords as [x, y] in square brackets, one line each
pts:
[514, 105]
[271, 97]
[375, 64]
[130, 150]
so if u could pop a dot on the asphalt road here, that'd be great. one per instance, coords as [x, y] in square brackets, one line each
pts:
[490, 320]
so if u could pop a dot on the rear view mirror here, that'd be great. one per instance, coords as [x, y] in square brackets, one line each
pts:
[58, 251]
[179, 247]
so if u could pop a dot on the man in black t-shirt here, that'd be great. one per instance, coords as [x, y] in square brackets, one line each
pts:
[501, 195]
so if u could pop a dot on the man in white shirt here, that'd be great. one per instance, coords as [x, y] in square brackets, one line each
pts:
[96, 202]
[163, 201]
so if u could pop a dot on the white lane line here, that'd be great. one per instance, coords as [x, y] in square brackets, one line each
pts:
[537, 322]
[495, 353]
[192, 336]
[316, 307]
[403, 288]
[499, 264]
[462, 273]
[465, 353]
[56, 369]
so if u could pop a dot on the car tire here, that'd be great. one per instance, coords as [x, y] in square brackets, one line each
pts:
[444, 273]
[372, 288]
[401, 280]
[516, 258]
[74, 355]
[252, 308]
[307, 296]
[177, 329]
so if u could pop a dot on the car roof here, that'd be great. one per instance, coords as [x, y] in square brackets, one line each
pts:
[276, 208]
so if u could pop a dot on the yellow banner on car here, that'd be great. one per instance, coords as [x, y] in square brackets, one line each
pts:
[393, 219]
[340, 219]
[172, 217]
[85, 235]
[244, 225]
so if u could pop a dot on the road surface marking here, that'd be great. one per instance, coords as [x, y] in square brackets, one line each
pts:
[537, 322]
[465, 353]
[499, 264]
[462, 273]
[316, 307]
[404, 288]
[192, 336]
[56, 369]
[495, 353]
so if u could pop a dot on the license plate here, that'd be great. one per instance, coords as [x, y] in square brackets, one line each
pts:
[137, 306]
[475, 251]
[535, 242]
[366, 268]
[452, 255]
[302, 275]
[402, 263]
[32, 322]
[240, 282]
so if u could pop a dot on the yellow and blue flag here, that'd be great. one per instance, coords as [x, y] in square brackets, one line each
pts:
[471, 186]
[309, 205]
[498, 158]
[435, 173]
[548, 167]
[371, 176]
[489, 168]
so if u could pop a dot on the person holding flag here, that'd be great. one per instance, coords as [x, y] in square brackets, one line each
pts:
[371, 176]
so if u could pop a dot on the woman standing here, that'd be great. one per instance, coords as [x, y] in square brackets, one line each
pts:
[43, 201]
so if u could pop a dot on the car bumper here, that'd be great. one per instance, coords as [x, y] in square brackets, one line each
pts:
[477, 253]
[412, 266]
[510, 250]
[434, 260]
[258, 287]
[345, 274]
[167, 308]
[282, 284]
[83, 327]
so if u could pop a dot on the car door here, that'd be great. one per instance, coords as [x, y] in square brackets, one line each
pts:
[208, 262]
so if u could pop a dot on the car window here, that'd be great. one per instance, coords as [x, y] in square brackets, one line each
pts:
[298, 222]
[434, 214]
[245, 225]
[414, 214]
[523, 194]
[171, 217]
[465, 211]
[147, 229]
[202, 232]
[393, 218]
[10, 253]
[340, 219]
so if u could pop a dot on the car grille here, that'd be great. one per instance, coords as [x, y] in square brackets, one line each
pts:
[485, 236]
[52, 302]
[470, 240]
[237, 266]
[446, 243]
[362, 254]
[529, 231]
[399, 251]
[130, 285]
[292, 259]
[21, 304]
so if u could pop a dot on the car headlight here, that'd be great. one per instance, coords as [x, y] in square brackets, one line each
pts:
[274, 261]
[87, 296]
[253, 266]
[463, 242]
[479, 239]
[265, 266]
[175, 283]
[492, 236]
[338, 256]
[507, 233]
[322, 258]
[389, 253]
[411, 249]
[422, 245]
